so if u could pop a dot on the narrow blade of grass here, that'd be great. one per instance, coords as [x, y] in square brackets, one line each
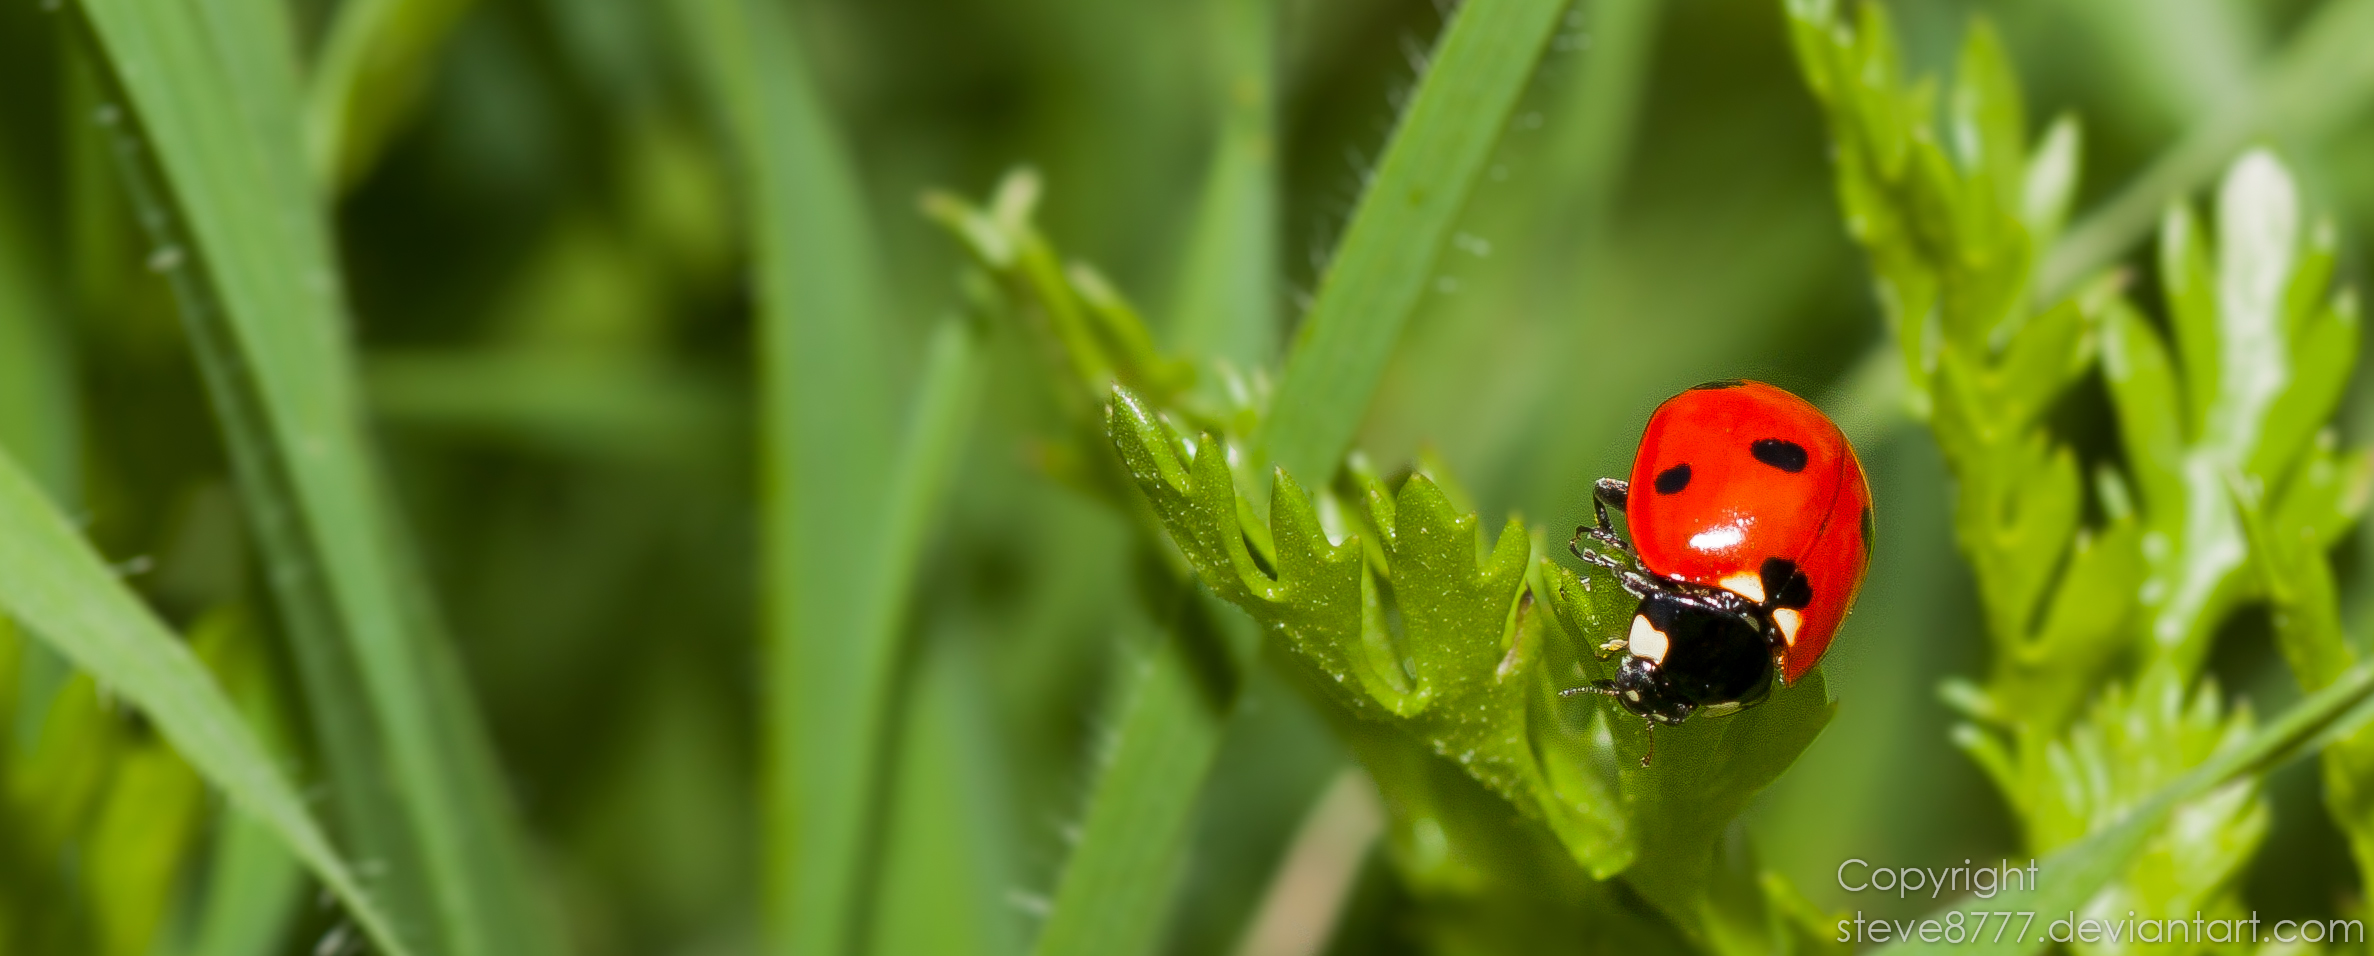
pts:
[2323, 79]
[841, 524]
[946, 850]
[253, 885]
[69, 597]
[1386, 259]
[1118, 886]
[1315, 879]
[214, 99]
[1227, 302]
[373, 66]
[2066, 880]
[618, 409]
[39, 404]
[40, 410]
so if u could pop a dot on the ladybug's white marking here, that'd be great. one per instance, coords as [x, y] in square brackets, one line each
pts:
[1746, 584]
[1718, 539]
[1789, 620]
[1647, 641]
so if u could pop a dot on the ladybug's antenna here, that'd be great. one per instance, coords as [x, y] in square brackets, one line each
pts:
[1607, 688]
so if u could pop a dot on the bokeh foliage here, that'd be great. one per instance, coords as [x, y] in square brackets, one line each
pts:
[616, 518]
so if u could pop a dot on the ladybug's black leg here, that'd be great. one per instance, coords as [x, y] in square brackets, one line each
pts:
[1608, 491]
[1652, 751]
[1640, 585]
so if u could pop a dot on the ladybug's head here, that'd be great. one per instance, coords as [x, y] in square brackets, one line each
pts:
[1685, 657]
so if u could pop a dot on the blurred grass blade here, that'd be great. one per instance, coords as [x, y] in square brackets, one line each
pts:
[254, 886]
[374, 66]
[2325, 78]
[1116, 892]
[40, 409]
[617, 408]
[2066, 880]
[1227, 302]
[1316, 876]
[39, 404]
[1386, 259]
[213, 93]
[946, 851]
[1591, 134]
[69, 597]
[835, 573]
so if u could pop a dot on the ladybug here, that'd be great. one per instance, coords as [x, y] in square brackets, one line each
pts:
[1751, 527]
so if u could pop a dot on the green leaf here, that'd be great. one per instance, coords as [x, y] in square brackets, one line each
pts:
[1436, 676]
[68, 596]
[2052, 180]
[2039, 682]
[1075, 316]
[1386, 259]
[2143, 391]
[1988, 123]
[2258, 223]
[1705, 773]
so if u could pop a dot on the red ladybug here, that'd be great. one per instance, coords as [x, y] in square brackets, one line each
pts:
[1752, 523]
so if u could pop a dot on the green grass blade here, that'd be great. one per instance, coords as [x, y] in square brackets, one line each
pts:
[845, 525]
[254, 891]
[946, 851]
[374, 65]
[39, 404]
[1597, 110]
[2067, 879]
[68, 596]
[1386, 259]
[254, 886]
[40, 410]
[1117, 888]
[2317, 84]
[214, 103]
[1227, 302]
[624, 408]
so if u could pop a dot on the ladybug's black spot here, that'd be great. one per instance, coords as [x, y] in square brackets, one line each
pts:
[1786, 585]
[1780, 453]
[1717, 383]
[1673, 480]
[1776, 572]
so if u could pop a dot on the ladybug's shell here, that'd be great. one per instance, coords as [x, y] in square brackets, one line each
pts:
[1736, 509]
